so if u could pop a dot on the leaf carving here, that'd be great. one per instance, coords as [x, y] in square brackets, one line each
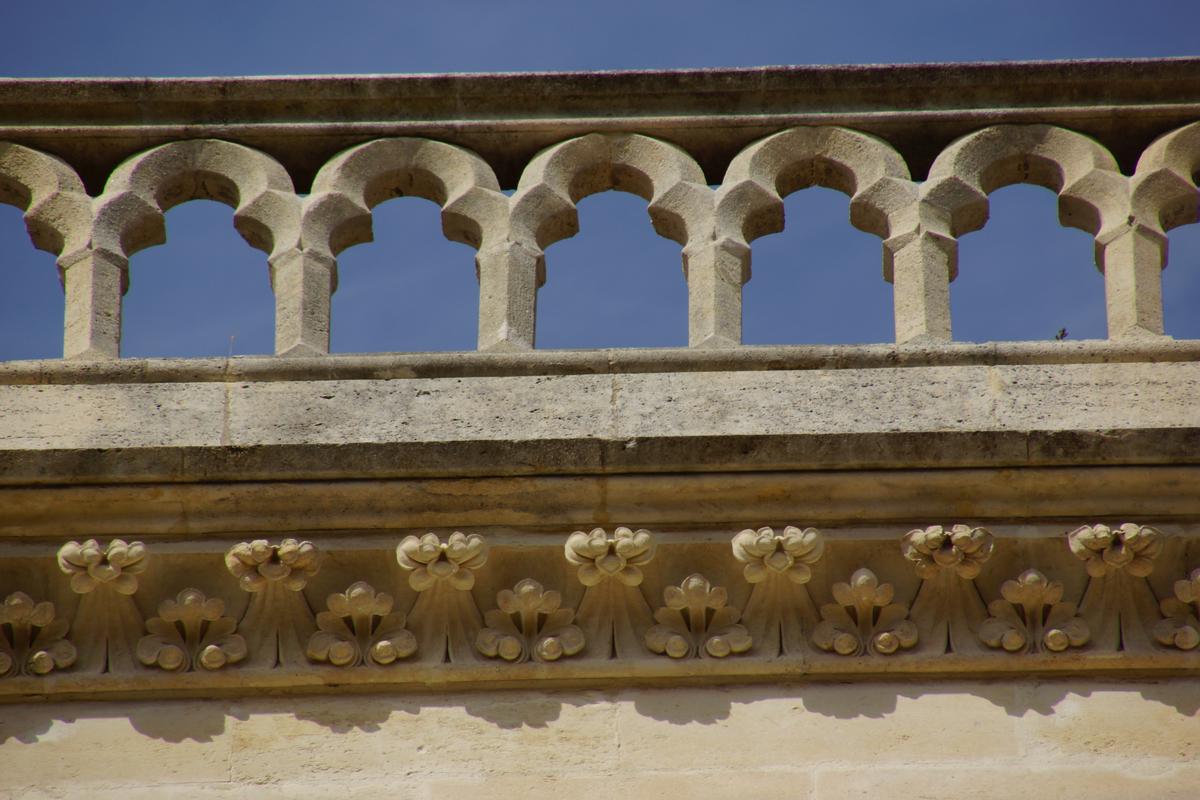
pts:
[360, 627]
[191, 632]
[948, 610]
[1118, 604]
[32, 638]
[1181, 624]
[529, 623]
[445, 619]
[613, 614]
[864, 618]
[1031, 617]
[780, 612]
[697, 621]
[107, 623]
[278, 622]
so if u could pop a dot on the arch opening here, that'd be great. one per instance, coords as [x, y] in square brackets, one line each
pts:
[409, 290]
[31, 296]
[819, 281]
[203, 293]
[614, 284]
[1181, 283]
[1025, 277]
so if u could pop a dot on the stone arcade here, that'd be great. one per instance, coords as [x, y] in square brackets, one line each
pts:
[920, 568]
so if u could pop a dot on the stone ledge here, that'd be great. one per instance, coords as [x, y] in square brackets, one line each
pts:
[603, 361]
[506, 118]
[918, 417]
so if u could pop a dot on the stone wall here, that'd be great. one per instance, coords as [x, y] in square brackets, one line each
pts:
[919, 568]
[939, 739]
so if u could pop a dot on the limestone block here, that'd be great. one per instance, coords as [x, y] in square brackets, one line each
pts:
[682, 728]
[1138, 727]
[84, 747]
[1098, 782]
[781, 784]
[464, 736]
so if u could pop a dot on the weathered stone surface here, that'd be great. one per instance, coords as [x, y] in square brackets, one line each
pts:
[1106, 740]
[592, 423]
[225, 556]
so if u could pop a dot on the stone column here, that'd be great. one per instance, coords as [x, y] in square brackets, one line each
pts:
[94, 282]
[509, 277]
[1132, 261]
[716, 272]
[303, 283]
[919, 266]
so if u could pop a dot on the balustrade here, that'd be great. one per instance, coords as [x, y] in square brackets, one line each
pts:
[919, 221]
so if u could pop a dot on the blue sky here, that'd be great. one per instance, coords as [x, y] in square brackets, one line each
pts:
[615, 284]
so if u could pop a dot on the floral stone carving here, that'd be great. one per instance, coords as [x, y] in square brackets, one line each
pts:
[948, 609]
[780, 611]
[444, 619]
[697, 620]
[32, 639]
[529, 623]
[863, 617]
[1119, 606]
[1181, 626]
[278, 622]
[191, 632]
[360, 627]
[1031, 617]
[107, 624]
[613, 614]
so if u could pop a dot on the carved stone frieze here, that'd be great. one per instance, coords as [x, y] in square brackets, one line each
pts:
[938, 602]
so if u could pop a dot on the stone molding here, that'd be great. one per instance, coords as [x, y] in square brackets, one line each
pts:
[599, 606]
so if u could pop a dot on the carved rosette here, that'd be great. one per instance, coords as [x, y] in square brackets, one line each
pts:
[948, 609]
[107, 624]
[697, 620]
[613, 614]
[32, 638]
[191, 632]
[445, 618]
[1181, 626]
[864, 618]
[529, 623]
[1119, 606]
[1031, 617]
[780, 611]
[278, 622]
[360, 627]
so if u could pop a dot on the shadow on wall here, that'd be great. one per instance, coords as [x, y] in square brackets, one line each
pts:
[204, 721]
